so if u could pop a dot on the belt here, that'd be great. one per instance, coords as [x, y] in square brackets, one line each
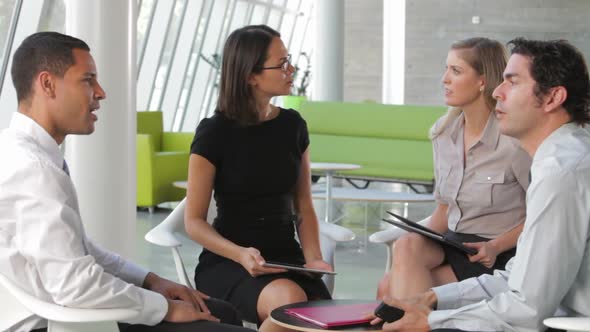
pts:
[276, 219]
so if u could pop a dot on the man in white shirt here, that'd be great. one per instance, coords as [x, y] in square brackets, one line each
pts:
[544, 101]
[43, 246]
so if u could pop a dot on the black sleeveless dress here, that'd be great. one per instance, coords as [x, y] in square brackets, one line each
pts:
[256, 171]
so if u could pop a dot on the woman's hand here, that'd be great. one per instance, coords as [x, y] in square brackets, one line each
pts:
[181, 312]
[486, 253]
[252, 261]
[319, 264]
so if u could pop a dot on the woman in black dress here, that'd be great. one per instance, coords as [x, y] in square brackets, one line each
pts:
[254, 157]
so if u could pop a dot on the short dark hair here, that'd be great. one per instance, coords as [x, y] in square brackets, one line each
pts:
[42, 51]
[558, 63]
[244, 53]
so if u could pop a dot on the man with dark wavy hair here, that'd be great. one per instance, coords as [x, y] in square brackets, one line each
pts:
[544, 102]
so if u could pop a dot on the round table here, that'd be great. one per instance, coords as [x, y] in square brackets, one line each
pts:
[180, 184]
[330, 169]
[280, 317]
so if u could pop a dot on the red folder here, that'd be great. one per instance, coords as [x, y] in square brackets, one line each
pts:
[335, 315]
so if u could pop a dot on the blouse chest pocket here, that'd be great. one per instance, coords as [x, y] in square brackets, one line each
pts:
[484, 182]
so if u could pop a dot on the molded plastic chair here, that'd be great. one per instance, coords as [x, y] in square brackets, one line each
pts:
[388, 236]
[569, 323]
[166, 235]
[17, 305]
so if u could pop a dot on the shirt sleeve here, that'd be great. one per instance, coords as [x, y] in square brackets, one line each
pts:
[50, 235]
[114, 264]
[303, 136]
[205, 143]
[550, 251]
[472, 290]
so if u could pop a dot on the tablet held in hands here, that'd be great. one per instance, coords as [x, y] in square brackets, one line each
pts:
[295, 267]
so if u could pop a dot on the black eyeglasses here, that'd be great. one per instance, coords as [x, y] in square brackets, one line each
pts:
[284, 66]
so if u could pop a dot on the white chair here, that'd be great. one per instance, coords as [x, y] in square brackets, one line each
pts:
[17, 305]
[569, 323]
[388, 236]
[166, 234]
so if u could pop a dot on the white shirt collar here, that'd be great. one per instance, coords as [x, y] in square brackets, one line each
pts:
[546, 148]
[24, 124]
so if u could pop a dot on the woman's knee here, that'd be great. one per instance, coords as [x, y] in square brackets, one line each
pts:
[278, 293]
[408, 246]
[383, 286]
[416, 250]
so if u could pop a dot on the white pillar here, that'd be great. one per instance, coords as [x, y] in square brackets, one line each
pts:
[102, 164]
[394, 50]
[328, 66]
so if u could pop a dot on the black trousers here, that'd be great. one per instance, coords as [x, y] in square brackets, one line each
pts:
[230, 322]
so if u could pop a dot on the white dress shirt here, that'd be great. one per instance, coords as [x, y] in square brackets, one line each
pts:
[43, 246]
[551, 269]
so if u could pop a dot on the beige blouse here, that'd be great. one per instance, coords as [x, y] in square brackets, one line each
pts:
[485, 191]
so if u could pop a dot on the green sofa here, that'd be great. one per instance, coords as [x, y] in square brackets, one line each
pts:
[162, 158]
[390, 142]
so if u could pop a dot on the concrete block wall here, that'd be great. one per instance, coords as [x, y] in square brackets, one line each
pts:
[363, 50]
[432, 25]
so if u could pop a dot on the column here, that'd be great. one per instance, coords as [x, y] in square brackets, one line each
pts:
[394, 49]
[328, 64]
[102, 164]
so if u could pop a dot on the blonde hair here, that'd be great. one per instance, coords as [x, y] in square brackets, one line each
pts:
[488, 58]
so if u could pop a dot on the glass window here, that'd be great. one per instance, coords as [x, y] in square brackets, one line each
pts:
[167, 55]
[204, 88]
[144, 22]
[260, 14]
[53, 16]
[6, 9]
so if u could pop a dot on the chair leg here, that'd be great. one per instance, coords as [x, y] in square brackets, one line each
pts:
[151, 209]
[250, 325]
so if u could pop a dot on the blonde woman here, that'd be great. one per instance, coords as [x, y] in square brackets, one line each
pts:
[481, 180]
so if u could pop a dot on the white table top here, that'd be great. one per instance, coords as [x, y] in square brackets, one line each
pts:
[333, 166]
[373, 195]
[180, 184]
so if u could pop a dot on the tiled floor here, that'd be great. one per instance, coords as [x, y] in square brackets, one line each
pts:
[359, 264]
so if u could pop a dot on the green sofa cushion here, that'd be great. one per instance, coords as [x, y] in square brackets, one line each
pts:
[410, 122]
[379, 158]
[162, 158]
[177, 141]
[151, 123]
[388, 141]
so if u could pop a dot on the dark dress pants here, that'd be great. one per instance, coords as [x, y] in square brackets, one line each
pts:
[230, 322]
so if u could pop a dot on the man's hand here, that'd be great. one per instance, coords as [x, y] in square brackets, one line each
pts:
[174, 291]
[486, 253]
[252, 261]
[182, 312]
[415, 317]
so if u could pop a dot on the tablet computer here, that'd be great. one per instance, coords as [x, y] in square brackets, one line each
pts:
[412, 226]
[295, 267]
